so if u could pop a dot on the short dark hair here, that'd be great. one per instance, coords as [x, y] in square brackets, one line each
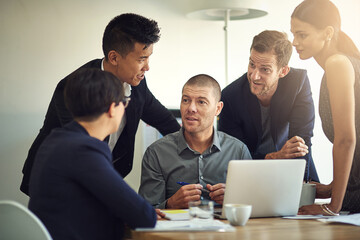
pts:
[205, 80]
[125, 30]
[89, 93]
[268, 41]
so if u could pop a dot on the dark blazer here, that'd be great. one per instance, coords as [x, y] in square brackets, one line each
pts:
[76, 192]
[291, 110]
[143, 105]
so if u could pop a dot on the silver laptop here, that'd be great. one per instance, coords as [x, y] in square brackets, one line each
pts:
[272, 187]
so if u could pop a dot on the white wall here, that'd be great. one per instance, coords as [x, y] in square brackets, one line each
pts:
[43, 41]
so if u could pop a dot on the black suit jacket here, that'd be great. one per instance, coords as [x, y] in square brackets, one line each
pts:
[143, 105]
[291, 109]
[75, 203]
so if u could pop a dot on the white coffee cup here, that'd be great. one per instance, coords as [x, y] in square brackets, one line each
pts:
[237, 214]
[308, 193]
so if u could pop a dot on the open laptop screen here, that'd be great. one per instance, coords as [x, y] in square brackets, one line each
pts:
[272, 187]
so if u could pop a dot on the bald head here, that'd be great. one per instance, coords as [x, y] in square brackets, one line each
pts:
[203, 80]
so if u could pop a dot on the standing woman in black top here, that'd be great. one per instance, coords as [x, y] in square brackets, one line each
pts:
[316, 27]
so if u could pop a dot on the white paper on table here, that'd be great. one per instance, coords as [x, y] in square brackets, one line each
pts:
[177, 215]
[206, 225]
[353, 219]
[305, 217]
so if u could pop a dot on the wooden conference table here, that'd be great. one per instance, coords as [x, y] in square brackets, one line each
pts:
[267, 229]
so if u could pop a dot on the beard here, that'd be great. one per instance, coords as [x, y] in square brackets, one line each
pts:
[266, 89]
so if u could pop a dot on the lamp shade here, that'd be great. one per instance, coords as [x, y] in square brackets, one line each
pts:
[225, 10]
[215, 9]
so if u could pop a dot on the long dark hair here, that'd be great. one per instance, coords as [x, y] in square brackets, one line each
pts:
[323, 13]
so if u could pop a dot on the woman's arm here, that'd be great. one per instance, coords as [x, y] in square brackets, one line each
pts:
[340, 82]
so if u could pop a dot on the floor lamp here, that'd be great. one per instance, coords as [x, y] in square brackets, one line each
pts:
[226, 10]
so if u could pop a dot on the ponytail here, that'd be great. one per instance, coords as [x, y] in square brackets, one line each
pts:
[347, 46]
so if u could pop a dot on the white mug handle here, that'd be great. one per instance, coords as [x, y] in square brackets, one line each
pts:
[233, 211]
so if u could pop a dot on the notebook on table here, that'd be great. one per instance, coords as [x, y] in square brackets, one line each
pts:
[272, 187]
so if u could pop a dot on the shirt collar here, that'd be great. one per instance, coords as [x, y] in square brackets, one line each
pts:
[182, 144]
[216, 140]
[127, 87]
[102, 64]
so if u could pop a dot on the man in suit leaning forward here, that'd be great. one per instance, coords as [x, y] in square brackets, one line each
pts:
[270, 108]
[127, 45]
